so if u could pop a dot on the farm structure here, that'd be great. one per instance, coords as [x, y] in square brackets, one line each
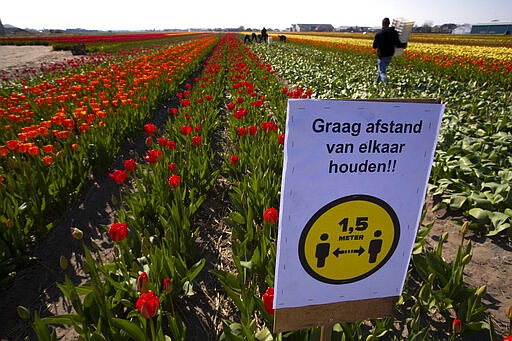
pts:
[492, 28]
[312, 28]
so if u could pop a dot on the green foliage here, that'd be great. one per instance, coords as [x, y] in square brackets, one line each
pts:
[470, 174]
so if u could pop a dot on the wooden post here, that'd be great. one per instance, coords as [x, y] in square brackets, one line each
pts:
[326, 332]
[325, 315]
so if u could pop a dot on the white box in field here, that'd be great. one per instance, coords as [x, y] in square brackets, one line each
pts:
[404, 29]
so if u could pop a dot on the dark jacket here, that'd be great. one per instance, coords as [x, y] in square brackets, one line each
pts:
[386, 40]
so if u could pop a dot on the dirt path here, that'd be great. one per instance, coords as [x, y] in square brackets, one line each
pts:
[27, 61]
[490, 265]
[29, 56]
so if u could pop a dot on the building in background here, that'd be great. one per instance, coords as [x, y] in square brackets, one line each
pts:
[312, 28]
[494, 27]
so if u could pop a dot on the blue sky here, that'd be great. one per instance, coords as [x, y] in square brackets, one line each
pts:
[160, 14]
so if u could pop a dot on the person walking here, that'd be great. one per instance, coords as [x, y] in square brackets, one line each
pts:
[385, 42]
[264, 35]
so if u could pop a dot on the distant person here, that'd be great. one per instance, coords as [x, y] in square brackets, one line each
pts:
[253, 36]
[264, 35]
[385, 42]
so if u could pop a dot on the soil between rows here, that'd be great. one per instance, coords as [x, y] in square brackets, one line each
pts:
[35, 286]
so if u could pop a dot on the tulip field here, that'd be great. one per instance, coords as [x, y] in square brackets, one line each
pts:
[63, 126]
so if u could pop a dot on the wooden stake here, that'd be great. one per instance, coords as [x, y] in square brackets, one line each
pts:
[286, 319]
[326, 332]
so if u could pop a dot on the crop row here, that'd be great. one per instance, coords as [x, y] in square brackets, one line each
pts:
[241, 95]
[471, 172]
[57, 133]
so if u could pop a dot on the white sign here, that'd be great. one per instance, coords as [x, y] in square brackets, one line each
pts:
[354, 182]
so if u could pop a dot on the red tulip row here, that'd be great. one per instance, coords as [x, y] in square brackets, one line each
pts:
[108, 38]
[57, 132]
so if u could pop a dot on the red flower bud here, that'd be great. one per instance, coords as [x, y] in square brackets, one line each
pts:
[167, 285]
[456, 326]
[280, 139]
[268, 300]
[271, 215]
[149, 141]
[172, 167]
[233, 159]
[143, 283]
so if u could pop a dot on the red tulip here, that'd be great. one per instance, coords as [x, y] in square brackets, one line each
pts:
[13, 144]
[118, 231]
[152, 156]
[233, 159]
[172, 167]
[150, 128]
[268, 300]
[167, 285]
[197, 141]
[240, 113]
[280, 139]
[171, 145]
[186, 130]
[456, 326]
[162, 141]
[241, 131]
[130, 165]
[147, 305]
[119, 176]
[185, 103]
[174, 181]
[4, 151]
[149, 141]
[252, 130]
[48, 160]
[48, 149]
[33, 150]
[271, 215]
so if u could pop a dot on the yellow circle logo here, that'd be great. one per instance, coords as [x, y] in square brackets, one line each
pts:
[349, 239]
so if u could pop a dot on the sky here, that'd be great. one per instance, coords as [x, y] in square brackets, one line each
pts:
[274, 14]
